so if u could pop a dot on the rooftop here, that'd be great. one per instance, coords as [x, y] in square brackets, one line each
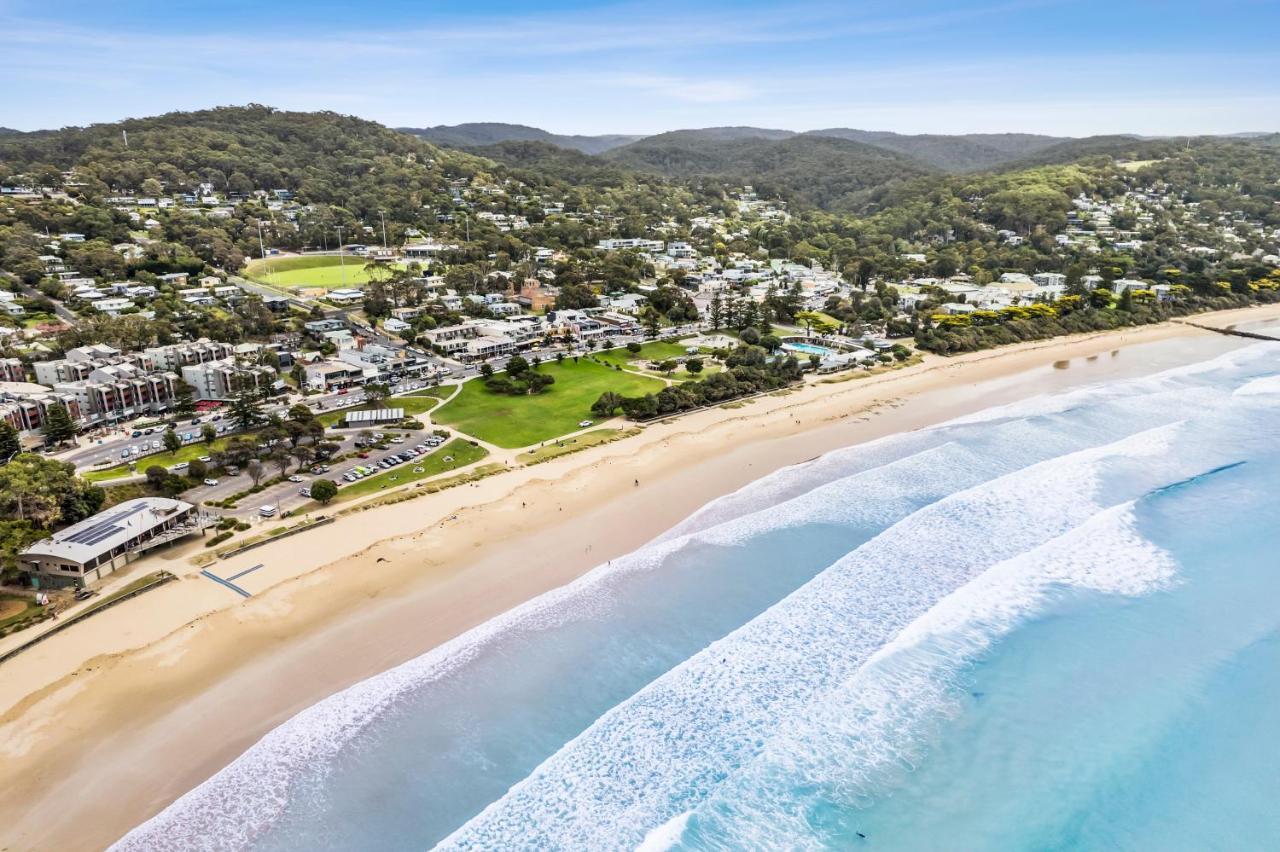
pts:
[107, 530]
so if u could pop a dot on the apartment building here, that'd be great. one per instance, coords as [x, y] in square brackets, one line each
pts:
[224, 379]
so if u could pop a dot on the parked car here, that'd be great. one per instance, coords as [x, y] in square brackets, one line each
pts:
[206, 459]
[584, 424]
[180, 466]
[137, 433]
[211, 481]
[296, 478]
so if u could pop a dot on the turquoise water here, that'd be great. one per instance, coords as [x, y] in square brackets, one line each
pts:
[1054, 624]
[808, 349]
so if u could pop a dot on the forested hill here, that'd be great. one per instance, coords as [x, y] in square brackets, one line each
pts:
[825, 172]
[962, 153]
[492, 133]
[323, 157]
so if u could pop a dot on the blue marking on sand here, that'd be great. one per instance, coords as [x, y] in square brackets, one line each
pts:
[245, 571]
[232, 586]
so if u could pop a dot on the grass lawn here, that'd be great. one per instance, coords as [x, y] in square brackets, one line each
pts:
[594, 438]
[324, 271]
[518, 421]
[439, 392]
[657, 351]
[185, 453]
[16, 611]
[461, 453]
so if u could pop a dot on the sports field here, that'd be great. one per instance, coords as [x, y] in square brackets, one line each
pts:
[519, 421]
[327, 271]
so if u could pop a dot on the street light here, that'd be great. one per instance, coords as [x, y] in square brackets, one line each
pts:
[383, 216]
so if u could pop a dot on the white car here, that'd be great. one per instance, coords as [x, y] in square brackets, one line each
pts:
[584, 424]
[296, 478]
[211, 482]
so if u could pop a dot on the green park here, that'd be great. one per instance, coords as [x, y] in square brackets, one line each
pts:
[519, 421]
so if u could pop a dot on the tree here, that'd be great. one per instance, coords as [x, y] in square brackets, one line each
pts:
[376, 392]
[716, 312]
[208, 433]
[184, 403]
[300, 413]
[607, 404]
[517, 366]
[299, 375]
[323, 490]
[750, 336]
[693, 366]
[246, 411]
[171, 440]
[770, 342]
[634, 347]
[281, 456]
[58, 426]
[155, 475]
[197, 469]
[651, 320]
[45, 491]
[10, 443]
[486, 370]
[255, 469]
[668, 366]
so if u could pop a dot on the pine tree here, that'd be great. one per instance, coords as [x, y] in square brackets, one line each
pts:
[716, 312]
[184, 403]
[10, 443]
[246, 410]
[58, 426]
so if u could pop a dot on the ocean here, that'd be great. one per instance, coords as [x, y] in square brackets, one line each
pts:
[1051, 624]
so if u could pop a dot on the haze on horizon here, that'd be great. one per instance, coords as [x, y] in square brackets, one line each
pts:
[1040, 66]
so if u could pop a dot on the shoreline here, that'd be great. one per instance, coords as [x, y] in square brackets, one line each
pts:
[183, 680]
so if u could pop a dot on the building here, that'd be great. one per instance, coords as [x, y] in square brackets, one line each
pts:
[329, 375]
[100, 545]
[26, 406]
[222, 380]
[345, 296]
[372, 417]
[179, 355]
[537, 296]
[119, 391]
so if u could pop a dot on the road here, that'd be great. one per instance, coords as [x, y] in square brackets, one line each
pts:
[285, 495]
[105, 445]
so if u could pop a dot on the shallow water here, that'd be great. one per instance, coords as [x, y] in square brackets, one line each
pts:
[1052, 624]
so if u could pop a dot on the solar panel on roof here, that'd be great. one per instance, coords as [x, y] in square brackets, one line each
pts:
[105, 527]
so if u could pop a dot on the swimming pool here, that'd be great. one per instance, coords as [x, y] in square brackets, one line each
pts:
[808, 349]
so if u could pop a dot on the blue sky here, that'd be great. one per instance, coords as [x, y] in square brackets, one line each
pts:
[1070, 67]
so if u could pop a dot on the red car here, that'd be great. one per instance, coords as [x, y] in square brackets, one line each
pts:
[362, 455]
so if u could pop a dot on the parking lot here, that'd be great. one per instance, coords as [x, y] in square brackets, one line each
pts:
[286, 496]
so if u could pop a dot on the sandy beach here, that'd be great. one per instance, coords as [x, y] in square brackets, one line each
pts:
[103, 725]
